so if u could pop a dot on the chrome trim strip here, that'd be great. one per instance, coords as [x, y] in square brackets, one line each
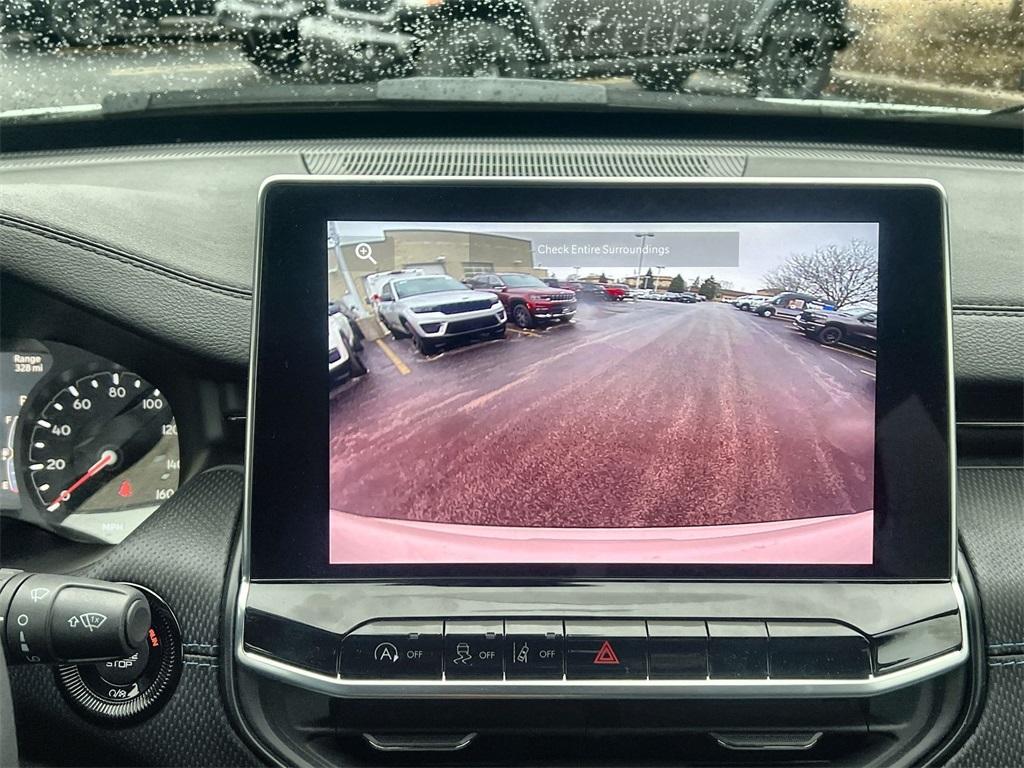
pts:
[335, 686]
[794, 746]
[422, 746]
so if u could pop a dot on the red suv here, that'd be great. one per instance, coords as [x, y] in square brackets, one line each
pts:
[527, 299]
[616, 291]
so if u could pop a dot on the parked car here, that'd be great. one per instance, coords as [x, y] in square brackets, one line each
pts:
[528, 300]
[588, 291]
[348, 322]
[374, 282]
[784, 49]
[682, 298]
[857, 327]
[95, 22]
[614, 291]
[619, 290]
[343, 359]
[433, 309]
[788, 304]
[746, 303]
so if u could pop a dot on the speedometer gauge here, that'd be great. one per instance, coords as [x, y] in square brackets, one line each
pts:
[105, 443]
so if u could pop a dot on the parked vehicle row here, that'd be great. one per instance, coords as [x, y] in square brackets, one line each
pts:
[585, 290]
[433, 309]
[812, 316]
[686, 297]
[784, 49]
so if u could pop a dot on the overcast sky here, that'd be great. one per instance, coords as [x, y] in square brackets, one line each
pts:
[737, 253]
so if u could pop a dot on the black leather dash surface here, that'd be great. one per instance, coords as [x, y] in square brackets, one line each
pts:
[182, 554]
[998, 741]
[990, 516]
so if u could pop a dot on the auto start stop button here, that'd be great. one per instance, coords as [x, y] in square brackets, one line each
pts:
[408, 650]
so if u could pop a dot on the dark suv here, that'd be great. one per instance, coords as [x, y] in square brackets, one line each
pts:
[785, 48]
[856, 326]
[528, 300]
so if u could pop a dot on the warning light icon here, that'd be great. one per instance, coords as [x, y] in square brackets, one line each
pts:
[125, 490]
[606, 654]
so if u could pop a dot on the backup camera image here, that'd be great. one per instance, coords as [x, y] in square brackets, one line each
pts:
[601, 393]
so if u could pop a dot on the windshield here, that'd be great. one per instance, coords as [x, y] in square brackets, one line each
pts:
[416, 286]
[523, 281]
[68, 58]
[858, 312]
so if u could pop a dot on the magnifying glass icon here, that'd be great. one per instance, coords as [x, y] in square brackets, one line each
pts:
[365, 253]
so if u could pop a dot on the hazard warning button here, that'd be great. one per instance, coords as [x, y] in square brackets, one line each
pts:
[606, 649]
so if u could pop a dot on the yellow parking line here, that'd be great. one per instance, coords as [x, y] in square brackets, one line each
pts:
[395, 359]
[524, 333]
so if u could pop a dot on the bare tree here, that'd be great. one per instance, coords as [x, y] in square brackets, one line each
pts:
[840, 274]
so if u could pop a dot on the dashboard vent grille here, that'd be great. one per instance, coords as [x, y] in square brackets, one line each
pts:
[521, 158]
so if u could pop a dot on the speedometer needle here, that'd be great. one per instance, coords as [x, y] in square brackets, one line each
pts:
[106, 458]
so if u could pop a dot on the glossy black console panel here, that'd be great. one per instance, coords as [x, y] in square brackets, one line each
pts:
[365, 639]
[817, 649]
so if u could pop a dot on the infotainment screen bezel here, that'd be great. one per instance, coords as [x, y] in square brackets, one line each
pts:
[286, 502]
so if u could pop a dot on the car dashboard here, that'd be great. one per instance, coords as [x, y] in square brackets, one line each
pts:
[127, 275]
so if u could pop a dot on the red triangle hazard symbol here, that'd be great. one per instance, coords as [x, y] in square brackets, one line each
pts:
[606, 655]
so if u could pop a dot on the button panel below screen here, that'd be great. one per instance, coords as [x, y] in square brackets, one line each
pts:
[595, 650]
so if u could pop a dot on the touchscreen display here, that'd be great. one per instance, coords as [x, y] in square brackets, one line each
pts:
[585, 393]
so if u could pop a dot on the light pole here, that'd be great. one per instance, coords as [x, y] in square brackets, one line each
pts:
[643, 245]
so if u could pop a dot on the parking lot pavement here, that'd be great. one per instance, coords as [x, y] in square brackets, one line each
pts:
[637, 414]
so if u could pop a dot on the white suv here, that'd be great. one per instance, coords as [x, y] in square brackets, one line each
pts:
[434, 308]
[747, 303]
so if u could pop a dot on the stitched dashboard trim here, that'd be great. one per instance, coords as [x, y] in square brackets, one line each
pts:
[1015, 312]
[122, 257]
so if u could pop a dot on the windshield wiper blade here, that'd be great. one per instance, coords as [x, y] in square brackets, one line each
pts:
[251, 97]
[489, 93]
[491, 90]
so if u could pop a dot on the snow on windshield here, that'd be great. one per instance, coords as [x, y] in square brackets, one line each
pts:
[934, 53]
